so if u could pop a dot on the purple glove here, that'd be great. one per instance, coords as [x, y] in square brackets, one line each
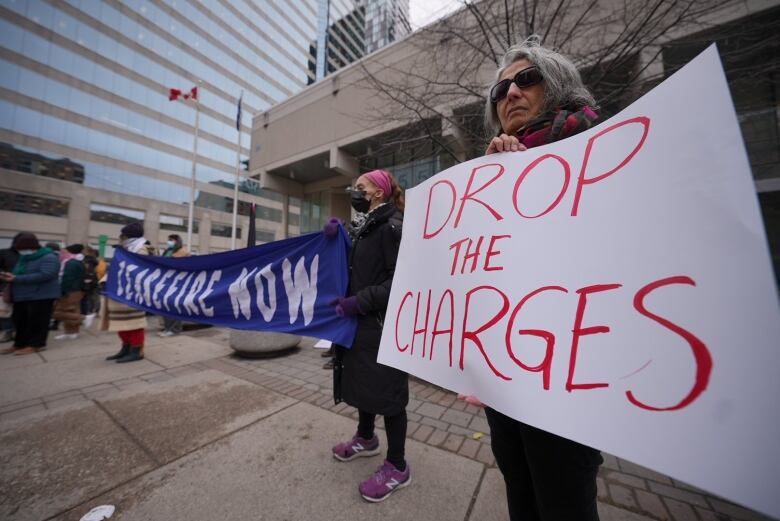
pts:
[331, 228]
[346, 306]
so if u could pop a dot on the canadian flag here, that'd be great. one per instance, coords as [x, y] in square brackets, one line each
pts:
[176, 93]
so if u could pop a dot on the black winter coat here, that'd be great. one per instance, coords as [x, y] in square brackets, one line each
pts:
[366, 384]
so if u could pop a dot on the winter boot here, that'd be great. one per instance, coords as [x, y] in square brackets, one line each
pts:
[135, 354]
[122, 352]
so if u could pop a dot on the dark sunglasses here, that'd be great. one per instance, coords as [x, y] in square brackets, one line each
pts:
[523, 79]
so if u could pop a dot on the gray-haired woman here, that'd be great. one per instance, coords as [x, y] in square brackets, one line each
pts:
[538, 97]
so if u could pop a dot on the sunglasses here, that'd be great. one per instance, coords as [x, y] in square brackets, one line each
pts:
[523, 79]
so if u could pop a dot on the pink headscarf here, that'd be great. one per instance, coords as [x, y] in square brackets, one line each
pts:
[382, 181]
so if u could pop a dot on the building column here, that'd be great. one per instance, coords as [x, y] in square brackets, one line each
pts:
[457, 141]
[78, 218]
[152, 224]
[285, 218]
[204, 233]
[340, 206]
[343, 163]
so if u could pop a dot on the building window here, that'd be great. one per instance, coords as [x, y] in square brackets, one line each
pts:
[315, 209]
[178, 224]
[35, 204]
[263, 236]
[225, 204]
[753, 76]
[18, 160]
[224, 230]
[115, 215]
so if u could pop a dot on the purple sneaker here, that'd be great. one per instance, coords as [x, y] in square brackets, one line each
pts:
[386, 480]
[355, 448]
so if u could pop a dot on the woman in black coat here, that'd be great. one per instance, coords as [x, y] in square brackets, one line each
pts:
[363, 383]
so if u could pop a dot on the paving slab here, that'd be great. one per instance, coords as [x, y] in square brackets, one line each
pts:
[183, 349]
[53, 460]
[281, 468]
[34, 381]
[174, 417]
[11, 361]
[491, 500]
[99, 347]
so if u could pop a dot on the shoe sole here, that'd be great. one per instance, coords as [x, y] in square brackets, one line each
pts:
[120, 361]
[361, 454]
[380, 499]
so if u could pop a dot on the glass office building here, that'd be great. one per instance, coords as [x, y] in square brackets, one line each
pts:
[350, 29]
[87, 131]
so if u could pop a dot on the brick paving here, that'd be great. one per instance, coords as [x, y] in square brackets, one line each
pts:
[435, 418]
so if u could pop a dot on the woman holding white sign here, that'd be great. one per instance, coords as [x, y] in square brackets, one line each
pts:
[539, 98]
[362, 382]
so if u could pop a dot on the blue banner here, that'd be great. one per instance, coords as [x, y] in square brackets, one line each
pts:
[282, 286]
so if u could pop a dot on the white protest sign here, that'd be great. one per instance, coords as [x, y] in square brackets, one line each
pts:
[614, 288]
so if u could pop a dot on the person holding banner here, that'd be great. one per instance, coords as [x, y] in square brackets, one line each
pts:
[128, 322]
[538, 98]
[174, 248]
[362, 382]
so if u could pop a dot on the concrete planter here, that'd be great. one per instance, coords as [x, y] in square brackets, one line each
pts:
[259, 344]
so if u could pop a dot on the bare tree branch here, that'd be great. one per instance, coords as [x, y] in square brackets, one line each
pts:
[439, 94]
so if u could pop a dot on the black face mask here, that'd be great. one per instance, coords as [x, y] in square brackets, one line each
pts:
[359, 201]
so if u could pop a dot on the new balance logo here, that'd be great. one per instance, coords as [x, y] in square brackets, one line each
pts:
[392, 484]
[357, 447]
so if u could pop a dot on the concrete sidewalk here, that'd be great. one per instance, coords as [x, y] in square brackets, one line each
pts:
[194, 433]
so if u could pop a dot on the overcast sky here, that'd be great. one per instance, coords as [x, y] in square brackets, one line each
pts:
[423, 12]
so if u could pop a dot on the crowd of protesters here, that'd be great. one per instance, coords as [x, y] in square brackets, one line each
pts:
[41, 283]
[48, 288]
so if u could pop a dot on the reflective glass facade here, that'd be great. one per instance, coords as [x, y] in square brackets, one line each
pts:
[350, 29]
[84, 91]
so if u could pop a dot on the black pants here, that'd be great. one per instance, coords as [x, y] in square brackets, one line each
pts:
[172, 325]
[395, 427]
[548, 478]
[31, 321]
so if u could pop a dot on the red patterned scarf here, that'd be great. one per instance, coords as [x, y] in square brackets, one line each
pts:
[556, 125]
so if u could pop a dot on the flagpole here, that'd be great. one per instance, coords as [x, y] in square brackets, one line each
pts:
[238, 172]
[194, 160]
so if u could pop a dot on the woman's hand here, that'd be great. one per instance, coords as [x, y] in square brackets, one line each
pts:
[6, 276]
[346, 306]
[504, 143]
[331, 228]
[473, 400]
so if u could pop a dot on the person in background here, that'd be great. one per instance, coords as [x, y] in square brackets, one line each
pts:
[90, 303]
[34, 287]
[128, 322]
[68, 308]
[55, 247]
[174, 248]
[538, 98]
[359, 379]
[8, 259]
